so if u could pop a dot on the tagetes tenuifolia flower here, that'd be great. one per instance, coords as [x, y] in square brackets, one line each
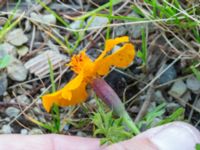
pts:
[87, 70]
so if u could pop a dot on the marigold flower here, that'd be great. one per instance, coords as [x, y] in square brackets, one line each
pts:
[87, 70]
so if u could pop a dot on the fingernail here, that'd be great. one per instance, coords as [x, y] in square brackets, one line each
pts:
[176, 136]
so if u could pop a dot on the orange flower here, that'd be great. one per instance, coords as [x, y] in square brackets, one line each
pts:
[87, 70]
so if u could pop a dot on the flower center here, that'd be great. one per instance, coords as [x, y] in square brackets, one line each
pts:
[80, 62]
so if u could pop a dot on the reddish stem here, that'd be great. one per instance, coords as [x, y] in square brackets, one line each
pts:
[108, 95]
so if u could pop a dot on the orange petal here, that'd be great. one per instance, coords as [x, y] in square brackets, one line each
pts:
[78, 95]
[122, 58]
[75, 82]
[110, 44]
[66, 96]
[54, 98]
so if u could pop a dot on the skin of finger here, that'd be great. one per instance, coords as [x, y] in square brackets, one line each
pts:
[149, 140]
[177, 135]
[47, 142]
[133, 144]
[173, 136]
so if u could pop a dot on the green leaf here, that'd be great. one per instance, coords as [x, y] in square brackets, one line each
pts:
[4, 62]
[140, 54]
[196, 72]
[197, 146]
[173, 117]
[110, 129]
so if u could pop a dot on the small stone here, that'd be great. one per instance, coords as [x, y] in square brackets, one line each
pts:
[159, 99]
[22, 50]
[186, 97]
[12, 111]
[3, 52]
[168, 75]
[27, 26]
[135, 29]
[78, 24]
[52, 46]
[193, 84]
[198, 104]
[16, 70]
[19, 90]
[7, 49]
[23, 99]
[172, 107]
[134, 109]
[66, 127]
[16, 37]
[7, 119]
[48, 18]
[3, 83]
[97, 21]
[37, 110]
[81, 134]
[6, 129]
[35, 131]
[36, 17]
[24, 131]
[178, 88]
[120, 30]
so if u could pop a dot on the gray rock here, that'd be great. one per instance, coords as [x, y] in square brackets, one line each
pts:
[28, 26]
[97, 21]
[12, 111]
[78, 24]
[16, 70]
[3, 83]
[135, 29]
[186, 97]
[23, 99]
[81, 134]
[193, 84]
[178, 88]
[23, 50]
[52, 46]
[168, 75]
[36, 17]
[7, 49]
[159, 99]
[6, 129]
[3, 52]
[171, 107]
[120, 30]
[35, 131]
[198, 104]
[66, 127]
[48, 18]
[24, 131]
[7, 119]
[16, 37]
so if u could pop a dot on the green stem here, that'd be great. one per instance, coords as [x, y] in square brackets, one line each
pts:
[98, 9]
[130, 124]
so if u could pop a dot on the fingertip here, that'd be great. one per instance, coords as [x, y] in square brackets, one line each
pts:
[62, 142]
[172, 136]
[176, 135]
